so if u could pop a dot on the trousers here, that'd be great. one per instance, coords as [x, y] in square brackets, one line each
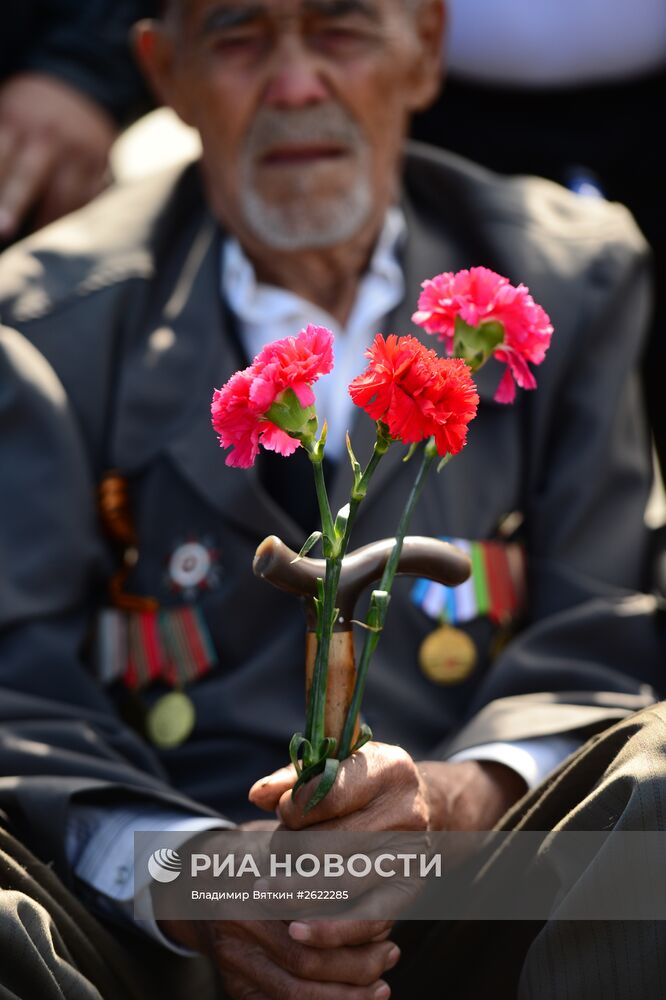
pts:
[52, 947]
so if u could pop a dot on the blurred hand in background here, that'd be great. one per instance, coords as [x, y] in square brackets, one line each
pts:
[68, 85]
[54, 149]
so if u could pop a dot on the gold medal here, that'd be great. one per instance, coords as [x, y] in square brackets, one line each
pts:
[171, 720]
[447, 656]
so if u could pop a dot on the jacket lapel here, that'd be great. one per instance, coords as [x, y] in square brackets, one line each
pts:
[185, 351]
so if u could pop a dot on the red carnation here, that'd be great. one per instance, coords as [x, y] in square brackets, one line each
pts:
[416, 393]
[481, 296]
[279, 380]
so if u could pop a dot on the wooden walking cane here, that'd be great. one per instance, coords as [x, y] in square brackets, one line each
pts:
[276, 562]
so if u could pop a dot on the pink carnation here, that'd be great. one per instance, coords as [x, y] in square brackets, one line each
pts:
[239, 408]
[293, 363]
[479, 296]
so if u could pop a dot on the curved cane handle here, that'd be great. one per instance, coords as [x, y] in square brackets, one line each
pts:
[428, 557]
[276, 562]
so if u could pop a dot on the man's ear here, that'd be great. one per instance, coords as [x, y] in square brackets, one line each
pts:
[430, 25]
[155, 51]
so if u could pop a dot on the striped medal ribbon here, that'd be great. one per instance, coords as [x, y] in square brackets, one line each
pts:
[496, 588]
[172, 645]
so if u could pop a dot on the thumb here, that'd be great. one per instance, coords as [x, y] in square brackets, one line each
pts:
[266, 793]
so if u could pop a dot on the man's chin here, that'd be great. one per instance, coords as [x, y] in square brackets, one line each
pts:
[285, 236]
[305, 222]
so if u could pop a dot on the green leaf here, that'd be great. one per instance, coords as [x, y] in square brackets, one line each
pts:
[341, 520]
[325, 784]
[308, 544]
[327, 747]
[307, 774]
[355, 464]
[328, 547]
[298, 742]
[445, 461]
[368, 628]
[379, 602]
[315, 447]
[412, 449]
[364, 736]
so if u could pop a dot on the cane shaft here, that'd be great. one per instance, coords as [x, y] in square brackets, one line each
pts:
[341, 679]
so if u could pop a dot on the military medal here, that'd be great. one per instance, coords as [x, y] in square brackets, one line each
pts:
[189, 565]
[138, 642]
[447, 655]
[496, 589]
[193, 566]
[172, 646]
[171, 720]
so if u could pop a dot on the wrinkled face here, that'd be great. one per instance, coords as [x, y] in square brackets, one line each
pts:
[302, 107]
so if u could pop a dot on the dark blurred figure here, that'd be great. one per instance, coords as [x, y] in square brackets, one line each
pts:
[576, 94]
[67, 84]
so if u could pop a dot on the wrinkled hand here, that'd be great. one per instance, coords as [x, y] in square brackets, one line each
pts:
[54, 149]
[270, 960]
[382, 788]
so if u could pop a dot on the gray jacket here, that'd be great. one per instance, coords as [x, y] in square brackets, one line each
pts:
[95, 294]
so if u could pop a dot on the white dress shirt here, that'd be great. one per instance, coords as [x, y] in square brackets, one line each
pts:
[266, 313]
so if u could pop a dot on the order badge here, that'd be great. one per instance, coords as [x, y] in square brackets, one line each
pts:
[189, 565]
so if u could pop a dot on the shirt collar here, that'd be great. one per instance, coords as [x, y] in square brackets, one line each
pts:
[254, 302]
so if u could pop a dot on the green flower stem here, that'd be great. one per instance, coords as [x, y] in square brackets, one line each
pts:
[322, 496]
[378, 610]
[317, 700]
[336, 549]
[359, 493]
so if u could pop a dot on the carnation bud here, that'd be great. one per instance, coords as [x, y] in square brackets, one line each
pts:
[476, 344]
[288, 414]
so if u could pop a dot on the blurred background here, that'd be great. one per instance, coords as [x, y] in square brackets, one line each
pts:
[575, 93]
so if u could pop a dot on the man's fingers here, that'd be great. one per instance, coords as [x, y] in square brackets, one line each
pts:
[263, 978]
[72, 185]
[23, 183]
[263, 952]
[8, 143]
[377, 788]
[336, 933]
[266, 793]
[354, 787]
[240, 988]
[361, 965]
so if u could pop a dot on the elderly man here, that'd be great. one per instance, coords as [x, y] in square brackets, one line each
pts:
[306, 206]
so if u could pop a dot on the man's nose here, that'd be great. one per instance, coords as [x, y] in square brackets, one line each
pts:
[296, 80]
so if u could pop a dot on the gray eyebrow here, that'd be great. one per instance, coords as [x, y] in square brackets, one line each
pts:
[231, 16]
[234, 15]
[339, 8]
